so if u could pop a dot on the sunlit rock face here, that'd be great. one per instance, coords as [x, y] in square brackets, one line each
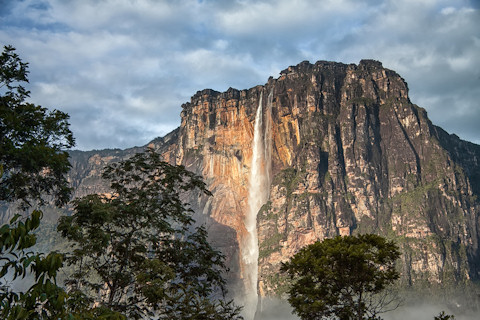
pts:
[349, 153]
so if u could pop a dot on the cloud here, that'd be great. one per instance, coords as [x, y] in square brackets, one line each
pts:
[435, 47]
[123, 68]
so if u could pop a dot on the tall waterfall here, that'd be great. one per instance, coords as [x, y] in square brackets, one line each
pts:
[257, 196]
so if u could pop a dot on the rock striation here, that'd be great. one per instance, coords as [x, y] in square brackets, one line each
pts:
[349, 153]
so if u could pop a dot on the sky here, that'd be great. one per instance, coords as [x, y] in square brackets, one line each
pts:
[122, 68]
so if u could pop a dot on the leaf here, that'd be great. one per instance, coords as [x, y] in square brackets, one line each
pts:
[141, 241]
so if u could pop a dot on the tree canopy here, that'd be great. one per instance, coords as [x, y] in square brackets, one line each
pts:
[137, 252]
[33, 160]
[33, 164]
[136, 249]
[343, 278]
[443, 316]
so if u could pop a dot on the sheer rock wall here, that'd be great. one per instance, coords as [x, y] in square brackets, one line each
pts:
[350, 154]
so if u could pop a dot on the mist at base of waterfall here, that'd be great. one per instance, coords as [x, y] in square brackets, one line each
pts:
[278, 309]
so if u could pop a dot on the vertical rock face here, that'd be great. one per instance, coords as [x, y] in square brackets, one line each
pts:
[349, 154]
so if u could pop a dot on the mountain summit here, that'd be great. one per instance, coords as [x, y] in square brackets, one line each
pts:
[340, 150]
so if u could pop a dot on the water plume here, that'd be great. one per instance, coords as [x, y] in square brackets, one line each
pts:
[257, 196]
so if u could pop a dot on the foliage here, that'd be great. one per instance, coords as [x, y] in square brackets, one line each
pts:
[44, 299]
[343, 278]
[33, 162]
[32, 165]
[15, 239]
[136, 249]
[443, 316]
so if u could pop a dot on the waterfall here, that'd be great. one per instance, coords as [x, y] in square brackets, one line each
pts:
[268, 143]
[257, 196]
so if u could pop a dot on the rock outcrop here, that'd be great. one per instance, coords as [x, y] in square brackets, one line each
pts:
[350, 154]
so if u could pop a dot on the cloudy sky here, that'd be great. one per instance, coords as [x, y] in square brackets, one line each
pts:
[122, 68]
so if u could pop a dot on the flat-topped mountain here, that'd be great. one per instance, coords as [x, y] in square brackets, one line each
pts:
[340, 149]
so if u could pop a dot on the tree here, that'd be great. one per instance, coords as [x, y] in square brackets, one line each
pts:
[137, 251]
[44, 299]
[33, 160]
[343, 278]
[33, 165]
[443, 316]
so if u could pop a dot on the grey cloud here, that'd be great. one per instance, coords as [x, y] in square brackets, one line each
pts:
[435, 48]
[122, 69]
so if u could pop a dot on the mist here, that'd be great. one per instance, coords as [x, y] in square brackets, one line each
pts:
[274, 309]
[278, 309]
[427, 311]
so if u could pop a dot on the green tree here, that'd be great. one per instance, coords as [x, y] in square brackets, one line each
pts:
[343, 278]
[44, 299]
[443, 316]
[33, 160]
[136, 250]
[33, 165]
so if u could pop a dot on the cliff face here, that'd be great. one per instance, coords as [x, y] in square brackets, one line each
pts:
[349, 154]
